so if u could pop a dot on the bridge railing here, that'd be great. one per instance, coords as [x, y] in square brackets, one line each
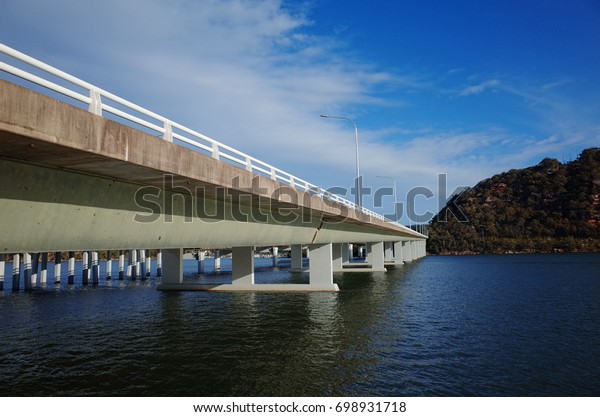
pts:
[100, 101]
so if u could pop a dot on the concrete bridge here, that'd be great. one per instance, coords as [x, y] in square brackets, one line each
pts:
[76, 179]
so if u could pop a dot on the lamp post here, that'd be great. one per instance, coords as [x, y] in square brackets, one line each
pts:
[395, 199]
[358, 182]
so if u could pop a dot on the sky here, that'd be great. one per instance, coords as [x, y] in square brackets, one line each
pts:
[465, 88]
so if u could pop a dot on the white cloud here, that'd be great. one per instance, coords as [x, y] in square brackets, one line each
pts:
[479, 88]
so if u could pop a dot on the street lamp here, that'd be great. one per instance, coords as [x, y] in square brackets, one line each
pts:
[395, 199]
[358, 182]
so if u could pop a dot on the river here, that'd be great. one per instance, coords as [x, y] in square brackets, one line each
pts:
[504, 325]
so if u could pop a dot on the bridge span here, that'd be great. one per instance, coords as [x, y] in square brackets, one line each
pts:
[74, 179]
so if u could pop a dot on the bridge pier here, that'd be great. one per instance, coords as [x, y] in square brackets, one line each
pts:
[27, 271]
[172, 263]
[398, 253]
[275, 256]
[200, 258]
[148, 263]
[44, 271]
[320, 274]
[35, 260]
[242, 259]
[71, 269]
[406, 252]
[159, 263]
[321, 268]
[2, 264]
[217, 254]
[376, 256]
[57, 266]
[95, 268]
[296, 254]
[337, 251]
[85, 273]
[388, 251]
[375, 261]
[133, 262]
[142, 264]
[108, 265]
[346, 252]
[121, 265]
[16, 272]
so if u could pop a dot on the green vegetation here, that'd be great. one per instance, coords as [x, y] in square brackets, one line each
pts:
[550, 207]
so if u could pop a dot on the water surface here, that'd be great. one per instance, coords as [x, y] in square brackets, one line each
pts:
[518, 325]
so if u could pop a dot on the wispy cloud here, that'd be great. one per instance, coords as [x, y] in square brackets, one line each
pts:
[479, 88]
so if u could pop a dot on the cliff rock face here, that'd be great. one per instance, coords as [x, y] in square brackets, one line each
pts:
[544, 208]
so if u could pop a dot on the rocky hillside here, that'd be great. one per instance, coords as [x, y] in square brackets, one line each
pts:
[544, 208]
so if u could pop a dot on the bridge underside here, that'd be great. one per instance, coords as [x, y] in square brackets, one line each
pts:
[47, 209]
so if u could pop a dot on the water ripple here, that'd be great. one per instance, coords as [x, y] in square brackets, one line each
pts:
[441, 326]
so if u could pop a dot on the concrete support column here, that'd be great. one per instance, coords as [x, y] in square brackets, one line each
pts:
[108, 265]
[2, 271]
[336, 251]
[135, 270]
[217, 260]
[16, 272]
[121, 264]
[159, 263]
[85, 276]
[242, 258]
[200, 259]
[388, 251]
[346, 254]
[44, 271]
[351, 251]
[275, 256]
[142, 264]
[413, 249]
[57, 267]
[321, 267]
[172, 260]
[148, 263]
[375, 255]
[35, 277]
[398, 253]
[27, 271]
[71, 269]
[406, 252]
[133, 261]
[95, 268]
[296, 257]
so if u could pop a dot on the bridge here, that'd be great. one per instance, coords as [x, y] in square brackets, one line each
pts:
[85, 170]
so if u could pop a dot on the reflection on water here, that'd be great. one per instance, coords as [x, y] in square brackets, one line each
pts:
[487, 325]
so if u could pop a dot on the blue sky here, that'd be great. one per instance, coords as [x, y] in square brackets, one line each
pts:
[465, 88]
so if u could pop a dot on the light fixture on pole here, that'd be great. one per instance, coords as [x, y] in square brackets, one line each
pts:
[358, 182]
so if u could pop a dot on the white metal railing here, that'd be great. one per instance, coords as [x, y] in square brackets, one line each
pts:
[98, 102]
